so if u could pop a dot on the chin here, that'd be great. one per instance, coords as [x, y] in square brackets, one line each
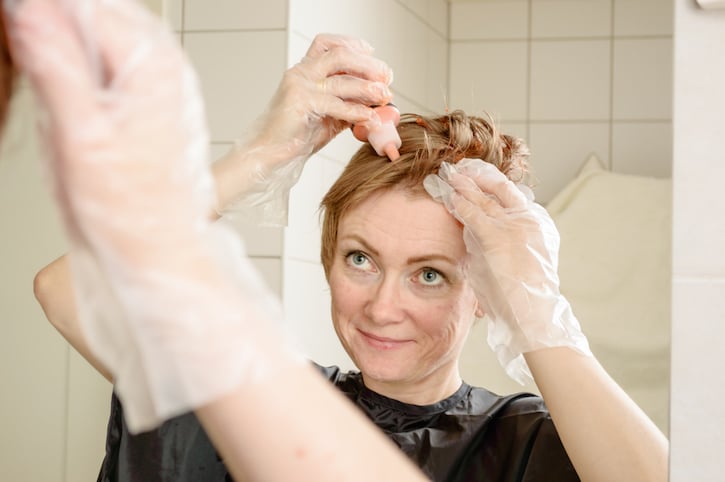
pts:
[381, 369]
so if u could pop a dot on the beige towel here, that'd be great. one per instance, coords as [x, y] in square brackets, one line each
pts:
[615, 269]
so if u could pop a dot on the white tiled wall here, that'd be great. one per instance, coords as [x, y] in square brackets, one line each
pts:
[583, 76]
[573, 78]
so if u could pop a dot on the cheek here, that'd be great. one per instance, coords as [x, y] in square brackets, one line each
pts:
[450, 319]
[346, 297]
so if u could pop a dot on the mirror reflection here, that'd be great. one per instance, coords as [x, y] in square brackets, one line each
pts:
[587, 85]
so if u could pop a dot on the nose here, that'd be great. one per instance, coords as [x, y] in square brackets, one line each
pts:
[385, 305]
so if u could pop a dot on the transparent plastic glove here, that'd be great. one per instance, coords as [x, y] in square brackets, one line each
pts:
[167, 300]
[513, 248]
[330, 89]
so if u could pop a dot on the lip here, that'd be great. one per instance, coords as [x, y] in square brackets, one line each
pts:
[382, 343]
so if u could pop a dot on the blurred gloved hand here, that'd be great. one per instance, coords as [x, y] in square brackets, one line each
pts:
[167, 300]
[330, 89]
[513, 247]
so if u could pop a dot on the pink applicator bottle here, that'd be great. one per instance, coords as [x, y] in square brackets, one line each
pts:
[383, 137]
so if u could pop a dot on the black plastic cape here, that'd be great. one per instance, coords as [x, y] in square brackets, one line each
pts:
[473, 435]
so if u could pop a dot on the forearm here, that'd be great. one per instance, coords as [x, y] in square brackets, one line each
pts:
[607, 436]
[238, 172]
[325, 438]
[53, 285]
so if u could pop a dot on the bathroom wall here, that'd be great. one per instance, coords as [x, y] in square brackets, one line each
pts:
[572, 78]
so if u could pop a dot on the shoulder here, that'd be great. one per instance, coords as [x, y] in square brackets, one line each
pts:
[350, 383]
[520, 431]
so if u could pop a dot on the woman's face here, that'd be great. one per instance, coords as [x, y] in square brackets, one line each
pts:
[401, 303]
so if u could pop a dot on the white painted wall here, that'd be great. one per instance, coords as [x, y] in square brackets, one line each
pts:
[698, 285]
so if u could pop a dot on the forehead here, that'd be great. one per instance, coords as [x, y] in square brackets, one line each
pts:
[405, 224]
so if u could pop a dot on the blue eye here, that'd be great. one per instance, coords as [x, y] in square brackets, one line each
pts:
[430, 277]
[357, 259]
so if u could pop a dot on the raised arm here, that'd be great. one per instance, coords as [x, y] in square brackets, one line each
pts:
[310, 107]
[513, 248]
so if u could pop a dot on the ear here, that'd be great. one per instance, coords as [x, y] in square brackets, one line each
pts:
[480, 313]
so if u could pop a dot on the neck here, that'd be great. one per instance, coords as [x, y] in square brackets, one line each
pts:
[433, 388]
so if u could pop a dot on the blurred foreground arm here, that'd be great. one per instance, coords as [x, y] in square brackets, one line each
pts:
[169, 302]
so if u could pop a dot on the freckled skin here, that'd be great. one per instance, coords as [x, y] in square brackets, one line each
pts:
[401, 304]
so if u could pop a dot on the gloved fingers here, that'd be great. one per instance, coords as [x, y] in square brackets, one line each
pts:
[352, 88]
[342, 113]
[464, 210]
[343, 54]
[491, 180]
[126, 37]
[46, 44]
[469, 189]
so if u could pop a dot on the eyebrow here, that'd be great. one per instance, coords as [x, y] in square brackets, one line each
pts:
[413, 260]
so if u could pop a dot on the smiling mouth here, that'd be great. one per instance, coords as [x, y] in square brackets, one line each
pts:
[382, 343]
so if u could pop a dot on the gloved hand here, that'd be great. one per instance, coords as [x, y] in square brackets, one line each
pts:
[330, 89]
[166, 299]
[513, 247]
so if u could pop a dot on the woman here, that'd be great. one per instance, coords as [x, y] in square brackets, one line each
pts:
[407, 281]
[167, 303]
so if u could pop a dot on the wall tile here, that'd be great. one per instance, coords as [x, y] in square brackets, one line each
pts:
[33, 356]
[570, 80]
[307, 304]
[235, 15]
[501, 19]
[417, 7]
[571, 18]
[342, 147]
[438, 16]
[643, 17]
[489, 76]
[258, 240]
[436, 79]
[302, 235]
[173, 13]
[558, 152]
[330, 172]
[239, 73]
[405, 49]
[271, 271]
[642, 148]
[697, 381]
[642, 86]
[359, 19]
[515, 129]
